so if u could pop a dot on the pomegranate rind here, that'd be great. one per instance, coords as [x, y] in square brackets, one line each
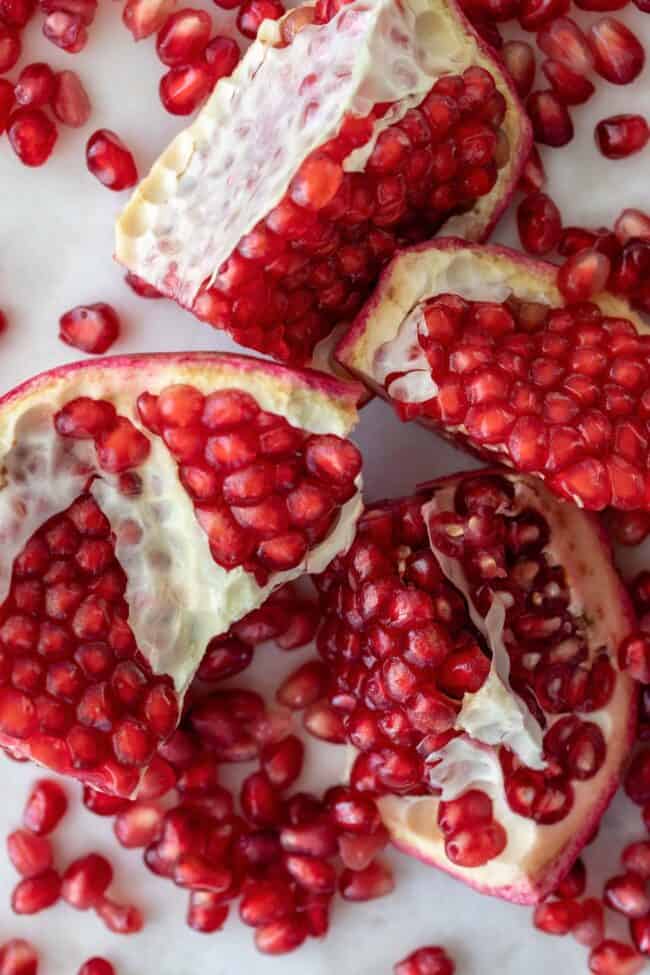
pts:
[476, 272]
[176, 193]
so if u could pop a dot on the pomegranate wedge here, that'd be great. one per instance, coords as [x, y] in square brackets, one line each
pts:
[147, 503]
[478, 343]
[345, 132]
[472, 632]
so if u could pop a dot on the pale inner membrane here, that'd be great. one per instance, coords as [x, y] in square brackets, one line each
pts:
[235, 163]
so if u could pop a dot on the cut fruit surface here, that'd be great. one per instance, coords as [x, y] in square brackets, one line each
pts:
[346, 131]
[472, 632]
[125, 551]
[478, 343]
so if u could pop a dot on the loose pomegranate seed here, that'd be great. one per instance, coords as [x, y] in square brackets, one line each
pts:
[66, 30]
[206, 912]
[589, 926]
[539, 222]
[282, 761]
[183, 37]
[564, 41]
[283, 936]
[18, 957]
[636, 858]
[615, 958]
[102, 804]
[96, 966]
[45, 807]
[519, 59]
[119, 918]
[315, 839]
[583, 275]
[574, 883]
[70, 102]
[619, 56]
[311, 874]
[640, 931]
[182, 90]
[634, 656]
[91, 328]
[17, 12]
[556, 917]
[533, 176]
[34, 894]
[632, 224]
[637, 778]
[431, 960]
[145, 17]
[139, 825]
[32, 135]
[224, 657]
[195, 872]
[6, 103]
[259, 800]
[551, 122]
[253, 12]
[35, 85]
[323, 722]
[620, 136]
[363, 885]
[222, 54]
[627, 894]
[534, 14]
[110, 161]
[29, 853]
[357, 852]
[304, 686]
[85, 881]
[10, 48]
[569, 87]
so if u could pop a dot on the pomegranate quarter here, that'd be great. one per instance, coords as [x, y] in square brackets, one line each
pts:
[345, 132]
[479, 343]
[147, 503]
[472, 634]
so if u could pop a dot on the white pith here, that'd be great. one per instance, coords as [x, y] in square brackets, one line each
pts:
[534, 854]
[188, 214]
[178, 597]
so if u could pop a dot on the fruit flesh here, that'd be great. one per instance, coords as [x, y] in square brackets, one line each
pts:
[134, 550]
[276, 240]
[561, 396]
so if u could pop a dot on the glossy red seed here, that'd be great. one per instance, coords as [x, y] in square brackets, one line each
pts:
[363, 885]
[614, 958]
[552, 125]
[519, 59]
[206, 912]
[575, 882]
[17, 13]
[6, 102]
[627, 894]
[534, 14]
[96, 966]
[570, 87]
[583, 275]
[66, 30]
[10, 47]
[145, 17]
[253, 12]
[620, 136]
[556, 917]
[139, 825]
[46, 806]
[634, 656]
[119, 918]
[29, 853]
[70, 102]
[430, 960]
[281, 937]
[86, 880]
[637, 778]
[110, 161]
[91, 328]
[18, 957]
[632, 224]
[34, 894]
[102, 804]
[618, 53]
[183, 89]
[32, 135]
[183, 37]
[589, 926]
[222, 55]
[539, 222]
[640, 931]
[35, 85]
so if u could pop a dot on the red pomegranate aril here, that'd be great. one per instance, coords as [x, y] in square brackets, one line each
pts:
[70, 102]
[91, 328]
[357, 851]
[534, 14]
[569, 87]
[102, 804]
[620, 136]
[34, 894]
[110, 161]
[6, 102]
[264, 902]
[430, 960]
[283, 936]
[206, 912]
[35, 85]
[183, 37]
[533, 177]
[10, 48]
[636, 858]
[145, 17]
[575, 882]
[640, 932]
[583, 275]
[259, 800]
[551, 121]
[614, 958]
[32, 135]
[18, 957]
[96, 966]
[46, 806]
[519, 59]
[253, 12]
[564, 41]
[556, 917]
[17, 13]
[589, 926]
[634, 656]
[66, 30]
[322, 721]
[355, 814]
[627, 894]
[182, 90]
[119, 918]
[195, 872]
[618, 53]
[29, 853]
[139, 825]
[86, 880]
[315, 839]
[310, 873]
[474, 847]
[539, 222]
[282, 761]
[222, 54]
[629, 527]
[363, 885]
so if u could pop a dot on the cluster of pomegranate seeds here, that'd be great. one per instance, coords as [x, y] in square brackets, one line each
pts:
[263, 490]
[314, 258]
[561, 392]
[91, 328]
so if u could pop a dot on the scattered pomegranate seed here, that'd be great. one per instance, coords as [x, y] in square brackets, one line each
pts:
[46, 806]
[539, 222]
[34, 894]
[206, 912]
[6, 102]
[222, 54]
[70, 102]
[556, 917]
[35, 85]
[632, 224]
[96, 966]
[363, 885]
[66, 30]
[182, 90]
[551, 122]
[519, 59]
[119, 918]
[426, 961]
[110, 161]
[145, 17]
[17, 13]
[637, 778]
[102, 804]
[183, 37]
[634, 656]
[619, 55]
[627, 894]
[620, 136]
[322, 721]
[569, 87]
[85, 881]
[575, 882]
[91, 328]
[10, 48]
[139, 825]
[640, 931]
[636, 858]
[564, 41]
[32, 135]
[253, 12]
[589, 925]
[533, 177]
[18, 957]
[615, 958]
[583, 275]
[29, 853]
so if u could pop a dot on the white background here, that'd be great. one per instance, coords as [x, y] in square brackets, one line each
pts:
[55, 252]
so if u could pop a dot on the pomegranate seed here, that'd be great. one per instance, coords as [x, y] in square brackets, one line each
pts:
[629, 527]
[206, 912]
[30, 854]
[119, 918]
[620, 136]
[519, 59]
[224, 657]
[282, 761]
[363, 885]
[569, 87]
[70, 102]
[66, 30]
[627, 894]
[589, 927]
[195, 872]
[139, 825]
[182, 90]
[6, 103]
[614, 958]
[253, 12]
[259, 800]
[18, 957]
[45, 807]
[304, 686]
[637, 778]
[551, 122]
[91, 328]
[311, 874]
[264, 902]
[632, 224]
[533, 177]
[10, 48]
[583, 275]
[431, 960]
[283, 936]
[17, 12]
[35, 85]
[145, 17]
[96, 966]
[140, 286]
[640, 931]
[32, 135]
[183, 37]
[556, 917]
[358, 852]
[564, 41]
[323, 722]
[110, 161]
[34, 894]
[85, 881]
[101, 804]
[574, 883]
[222, 55]
[317, 839]
[540, 224]
[619, 56]
[634, 657]
[636, 858]
[355, 814]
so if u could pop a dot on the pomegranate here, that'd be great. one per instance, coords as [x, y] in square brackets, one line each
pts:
[344, 171]
[181, 491]
[475, 676]
[480, 346]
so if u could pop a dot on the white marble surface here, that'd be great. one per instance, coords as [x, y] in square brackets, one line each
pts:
[55, 251]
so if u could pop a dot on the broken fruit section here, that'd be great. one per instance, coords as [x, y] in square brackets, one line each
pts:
[147, 504]
[346, 131]
[478, 343]
[472, 633]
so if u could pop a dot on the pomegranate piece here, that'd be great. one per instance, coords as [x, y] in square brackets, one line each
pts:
[552, 125]
[110, 161]
[310, 239]
[35, 85]
[554, 390]
[96, 966]
[35, 894]
[183, 37]
[539, 222]
[620, 136]
[46, 806]
[145, 17]
[18, 957]
[91, 328]
[406, 583]
[10, 48]
[431, 960]
[70, 102]
[66, 30]
[619, 56]
[615, 958]
[32, 135]
[30, 854]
